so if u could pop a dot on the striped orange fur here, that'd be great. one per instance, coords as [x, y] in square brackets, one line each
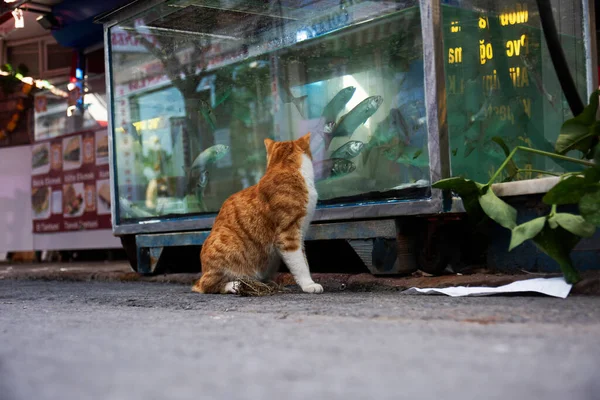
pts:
[264, 224]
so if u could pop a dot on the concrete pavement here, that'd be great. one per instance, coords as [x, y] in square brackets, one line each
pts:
[121, 272]
[139, 340]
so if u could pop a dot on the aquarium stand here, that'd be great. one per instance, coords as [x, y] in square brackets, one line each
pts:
[385, 246]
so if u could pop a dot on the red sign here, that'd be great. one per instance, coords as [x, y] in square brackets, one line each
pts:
[70, 187]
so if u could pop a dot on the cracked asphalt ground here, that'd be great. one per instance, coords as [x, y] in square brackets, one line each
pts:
[160, 341]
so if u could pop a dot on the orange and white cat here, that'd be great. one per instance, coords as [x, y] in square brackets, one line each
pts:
[261, 225]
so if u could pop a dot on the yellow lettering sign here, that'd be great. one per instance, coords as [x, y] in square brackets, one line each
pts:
[455, 55]
[485, 52]
[518, 15]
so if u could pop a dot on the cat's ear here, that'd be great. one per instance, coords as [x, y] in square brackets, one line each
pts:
[269, 144]
[304, 142]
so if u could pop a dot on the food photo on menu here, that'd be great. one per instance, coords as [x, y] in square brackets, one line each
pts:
[40, 202]
[40, 159]
[72, 152]
[73, 200]
[102, 148]
[103, 193]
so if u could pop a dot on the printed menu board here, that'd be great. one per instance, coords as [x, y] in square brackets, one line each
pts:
[70, 187]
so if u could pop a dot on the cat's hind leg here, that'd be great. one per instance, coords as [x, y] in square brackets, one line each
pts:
[214, 282]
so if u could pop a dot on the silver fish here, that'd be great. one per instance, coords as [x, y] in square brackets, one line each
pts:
[209, 156]
[134, 133]
[337, 104]
[287, 96]
[126, 207]
[199, 192]
[203, 181]
[322, 145]
[537, 80]
[208, 114]
[388, 129]
[342, 167]
[412, 156]
[333, 167]
[357, 116]
[200, 164]
[328, 128]
[482, 113]
[348, 150]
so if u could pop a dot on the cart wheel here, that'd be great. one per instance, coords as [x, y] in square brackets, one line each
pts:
[434, 254]
[128, 243]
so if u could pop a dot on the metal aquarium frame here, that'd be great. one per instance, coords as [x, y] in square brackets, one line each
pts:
[362, 225]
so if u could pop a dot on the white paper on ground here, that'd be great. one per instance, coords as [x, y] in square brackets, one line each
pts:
[556, 287]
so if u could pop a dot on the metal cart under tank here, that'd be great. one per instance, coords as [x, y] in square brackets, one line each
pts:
[419, 87]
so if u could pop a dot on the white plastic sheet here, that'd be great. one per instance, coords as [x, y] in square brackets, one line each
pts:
[555, 287]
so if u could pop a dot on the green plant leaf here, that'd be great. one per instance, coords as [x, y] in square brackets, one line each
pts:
[589, 207]
[574, 224]
[498, 210]
[459, 185]
[558, 243]
[588, 115]
[575, 135]
[526, 231]
[468, 190]
[511, 166]
[592, 175]
[567, 191]
[579, 133]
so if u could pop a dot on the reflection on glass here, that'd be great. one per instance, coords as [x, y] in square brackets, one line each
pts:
[70, 107]
[199, 85]
[500, 83]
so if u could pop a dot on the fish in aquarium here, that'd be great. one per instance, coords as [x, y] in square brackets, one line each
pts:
[389, 129]
[222, 97]
[414, 117]
[134, 133]
[402, 150]
[127, 208]
[286, 96]
[333, 168]
[414, 159]
[348, 150]
[208, 114]
[393, 134]
[481, 114]
[200, 164]
[357, 116]
[337, 104]
[537, 80]
[210, 156]
[479, 142]
[420, 162]
[352, 120]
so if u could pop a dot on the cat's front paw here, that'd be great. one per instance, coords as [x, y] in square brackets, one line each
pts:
[313, 288]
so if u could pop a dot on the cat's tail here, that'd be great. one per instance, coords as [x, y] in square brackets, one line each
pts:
[211, 282]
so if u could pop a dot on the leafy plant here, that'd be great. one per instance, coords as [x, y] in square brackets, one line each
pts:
[557, 233]
[9, 84]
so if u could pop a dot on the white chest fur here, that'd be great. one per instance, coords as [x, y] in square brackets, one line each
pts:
[307, 172]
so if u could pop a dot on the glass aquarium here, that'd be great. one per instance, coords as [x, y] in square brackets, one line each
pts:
[198, 85]
[502, 90]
